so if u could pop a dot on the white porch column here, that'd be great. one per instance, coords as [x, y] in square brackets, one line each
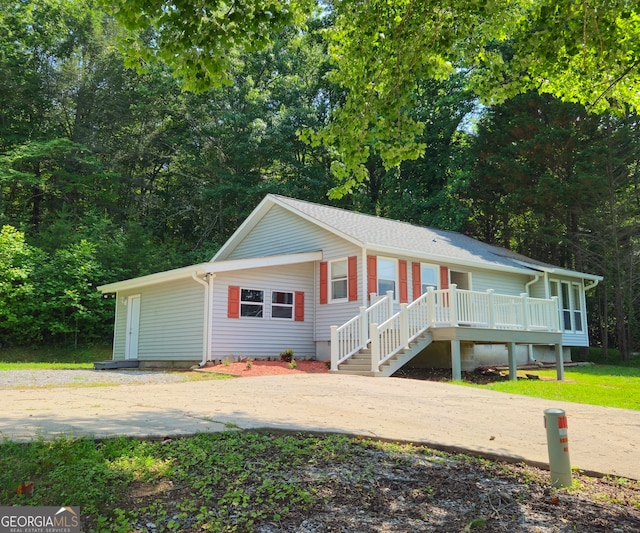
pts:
[559, 362]
[511, 351]
[456, 365]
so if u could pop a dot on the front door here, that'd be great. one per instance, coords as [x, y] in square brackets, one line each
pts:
[133, 326]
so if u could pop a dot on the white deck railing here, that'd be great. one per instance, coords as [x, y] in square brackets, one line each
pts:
[451, 307]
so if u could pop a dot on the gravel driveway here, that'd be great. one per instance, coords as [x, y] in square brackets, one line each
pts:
[85, 377]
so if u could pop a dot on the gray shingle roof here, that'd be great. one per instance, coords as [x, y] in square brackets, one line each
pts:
[385, 234]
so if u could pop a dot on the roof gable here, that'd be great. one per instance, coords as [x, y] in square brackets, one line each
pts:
[382, 235]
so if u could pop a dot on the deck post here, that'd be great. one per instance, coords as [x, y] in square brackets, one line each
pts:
[526, 320]
[375, 347]
[456, 366]
[364, 327]
[492, 313]
[389, 305]
[404, 326]
[453, 304]
[559, 362]
[513, 370]
[431, 306]
[556, 319]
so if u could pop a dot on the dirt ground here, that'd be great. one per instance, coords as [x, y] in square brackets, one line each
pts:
[457, 495]
[250, 368]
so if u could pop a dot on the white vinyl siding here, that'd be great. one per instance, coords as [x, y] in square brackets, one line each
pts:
[120, 329]
[280, 232]
[171, 322]
[500, 282]
[270, 335]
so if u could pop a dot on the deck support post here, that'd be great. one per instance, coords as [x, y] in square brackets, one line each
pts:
[456, 366]
[559, 362]
[511, 352]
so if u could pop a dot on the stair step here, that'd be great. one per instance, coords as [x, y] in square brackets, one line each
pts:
[360, 362]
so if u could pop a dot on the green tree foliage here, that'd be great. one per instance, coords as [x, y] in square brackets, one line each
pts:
[577, 51]
[18, 266]
[199, 38]
[50, 297]
[556, 183]
[111, 174]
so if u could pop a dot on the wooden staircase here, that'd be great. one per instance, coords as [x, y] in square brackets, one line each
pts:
[360, 362]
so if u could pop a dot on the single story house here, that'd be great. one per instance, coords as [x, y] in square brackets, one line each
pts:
[367, 293]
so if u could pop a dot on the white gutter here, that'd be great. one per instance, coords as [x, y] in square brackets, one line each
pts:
[206, 331]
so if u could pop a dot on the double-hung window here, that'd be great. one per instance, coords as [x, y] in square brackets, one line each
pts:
[282, 305]
[251, 303]
[428, 277]
[339, 279]
[387, 275]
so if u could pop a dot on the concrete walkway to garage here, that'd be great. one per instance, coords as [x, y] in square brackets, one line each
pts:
[601, 440]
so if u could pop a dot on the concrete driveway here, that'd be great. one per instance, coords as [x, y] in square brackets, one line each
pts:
[601, 440]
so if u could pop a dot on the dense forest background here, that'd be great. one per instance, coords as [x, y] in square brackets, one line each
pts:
[107, 173]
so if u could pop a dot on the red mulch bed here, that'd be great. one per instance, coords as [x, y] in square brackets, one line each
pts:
[267, 368]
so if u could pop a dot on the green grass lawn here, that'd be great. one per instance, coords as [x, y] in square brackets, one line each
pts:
[605, 385]
[51, 357]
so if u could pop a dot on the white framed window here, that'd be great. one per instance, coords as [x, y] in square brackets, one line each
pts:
[387, 276]
[577, 307]
[428, 276]
[251, 303]
[571, 307]
[282, 305]
[338, 276]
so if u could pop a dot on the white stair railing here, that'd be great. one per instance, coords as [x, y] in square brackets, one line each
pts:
[353, 335]
[395, 334]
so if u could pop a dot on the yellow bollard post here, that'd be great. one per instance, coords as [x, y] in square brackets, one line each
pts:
[555, 421]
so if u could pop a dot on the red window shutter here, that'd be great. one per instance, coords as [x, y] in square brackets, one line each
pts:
[417, 280]
[404, 285]
[372, 274]
[298, 312]
[324, 282]
[352, 278]
[444, 277]
[233, 304]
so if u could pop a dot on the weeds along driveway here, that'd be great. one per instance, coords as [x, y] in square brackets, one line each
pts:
[603, 440]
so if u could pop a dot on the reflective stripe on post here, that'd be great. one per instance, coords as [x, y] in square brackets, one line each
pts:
[555, 421]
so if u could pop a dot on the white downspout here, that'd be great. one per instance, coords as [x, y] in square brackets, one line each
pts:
[594, 284]
[210, 278]
[206, 328]
[536, 277]
[530, 358]
[365, 279]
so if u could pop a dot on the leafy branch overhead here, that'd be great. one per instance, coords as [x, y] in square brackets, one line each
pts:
[577, 51]
[199, 38]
